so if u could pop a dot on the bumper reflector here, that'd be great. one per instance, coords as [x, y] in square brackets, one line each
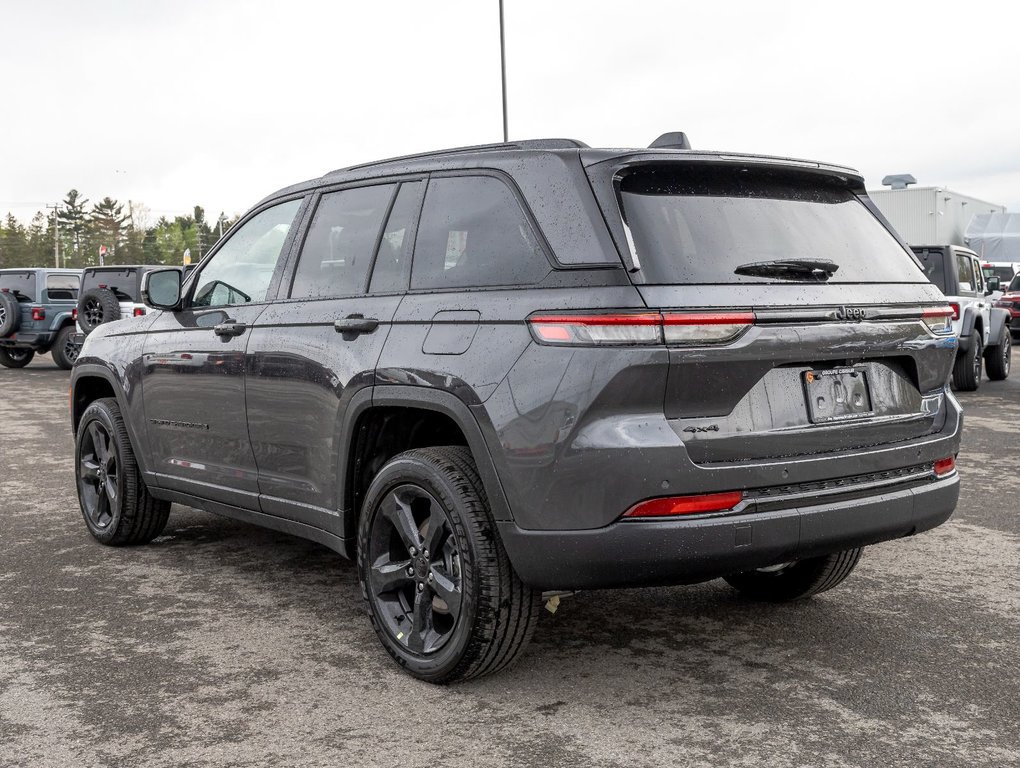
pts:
[686, 505]
[945, 467]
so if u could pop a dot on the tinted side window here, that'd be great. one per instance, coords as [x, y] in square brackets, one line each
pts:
[393, 262]
[338, 249]
[62, 287]
[474, 233]
[240, 271]
[965, 274]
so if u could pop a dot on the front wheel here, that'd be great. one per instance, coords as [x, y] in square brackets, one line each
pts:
[796, 580]
[15, 358]
[114, 499]
[999, 357]
[440, 590]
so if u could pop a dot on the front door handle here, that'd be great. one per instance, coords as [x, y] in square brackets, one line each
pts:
[229, 329]
[352, 325]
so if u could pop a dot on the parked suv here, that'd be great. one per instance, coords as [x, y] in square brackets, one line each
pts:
[37, 309]
[1010, 301]
[982, 330]
[496, 373]
[108, 294]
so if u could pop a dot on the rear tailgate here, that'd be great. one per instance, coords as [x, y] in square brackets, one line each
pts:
[818, 361]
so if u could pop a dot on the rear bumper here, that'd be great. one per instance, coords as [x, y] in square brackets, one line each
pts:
[678, 551]
[29, 340]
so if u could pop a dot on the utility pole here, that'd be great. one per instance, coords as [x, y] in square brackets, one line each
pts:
[502, 68]
[56, 235]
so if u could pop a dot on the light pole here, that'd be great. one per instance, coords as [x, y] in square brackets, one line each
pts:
[502, 68]
[56, 235]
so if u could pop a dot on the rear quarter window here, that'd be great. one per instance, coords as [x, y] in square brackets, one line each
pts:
[62, 287]
[473, 233]
[696, 225]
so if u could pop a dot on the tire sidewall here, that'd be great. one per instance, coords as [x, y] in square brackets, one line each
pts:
[101, 412]
[411, 471]
[58, 352]
[25, 356]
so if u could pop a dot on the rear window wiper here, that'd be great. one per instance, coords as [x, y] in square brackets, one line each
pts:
[790, 269]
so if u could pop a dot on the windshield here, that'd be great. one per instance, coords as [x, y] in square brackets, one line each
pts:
[123, 282]
[932, 261]
[21, 283]
[698, 224]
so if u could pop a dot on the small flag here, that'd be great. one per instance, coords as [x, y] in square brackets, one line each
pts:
[102, 254]
[187, 256]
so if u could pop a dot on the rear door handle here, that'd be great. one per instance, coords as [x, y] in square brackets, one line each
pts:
[352, 325]
[226, 330]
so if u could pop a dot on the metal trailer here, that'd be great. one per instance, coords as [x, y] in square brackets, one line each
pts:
[930, 215]
[995, 237]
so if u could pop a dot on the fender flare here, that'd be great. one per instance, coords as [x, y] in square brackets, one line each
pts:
[998, 319]
[60, 320]
[430, 399]
[970, 315]
[84, 370]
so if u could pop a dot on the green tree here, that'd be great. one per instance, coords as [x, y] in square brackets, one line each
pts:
[73, 221]
[108, 226]
[13, 244]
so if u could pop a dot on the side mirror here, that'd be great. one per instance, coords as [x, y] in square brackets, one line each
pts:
[991, 284]
[161, 288]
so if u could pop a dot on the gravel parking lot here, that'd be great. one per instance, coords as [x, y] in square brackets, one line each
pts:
[223, 644]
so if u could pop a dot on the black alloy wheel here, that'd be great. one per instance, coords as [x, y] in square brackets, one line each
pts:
[11, 357]
[414, 576]
[92, 309]
[99, 477]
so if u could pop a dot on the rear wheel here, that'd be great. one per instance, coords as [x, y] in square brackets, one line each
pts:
[114, 499]
[796, 580]
[15, 358]
[65, 351]
[999, 358]
[967, 369]
[439, 588]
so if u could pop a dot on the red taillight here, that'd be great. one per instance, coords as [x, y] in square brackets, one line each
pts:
[74, 313]
[139, 311]
[640, 328]
[38, 313]
[956, 310]
[945, 466]
[686, 505]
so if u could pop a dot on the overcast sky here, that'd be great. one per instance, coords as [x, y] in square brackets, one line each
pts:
[217, 103]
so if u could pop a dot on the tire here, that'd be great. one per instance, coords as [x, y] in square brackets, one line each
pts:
[999, 357]
[95, 307]
[433, 497]
[10, 314]
[797, 580]
[64, 352]
[15, 358]
[114, 499]
[967, 368]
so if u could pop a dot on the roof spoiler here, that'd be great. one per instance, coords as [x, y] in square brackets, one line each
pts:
[674, 140]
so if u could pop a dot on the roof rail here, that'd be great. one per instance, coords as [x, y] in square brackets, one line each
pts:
[674, 140]
[525, 144]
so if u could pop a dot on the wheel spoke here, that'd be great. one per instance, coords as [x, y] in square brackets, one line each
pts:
[111, 489]
[447, 589]
[388, 575]
[421, 622]
[98, 441]
[398, 512]
[436, 531]
[89, 470]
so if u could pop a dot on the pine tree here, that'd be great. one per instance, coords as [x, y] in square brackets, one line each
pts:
[73, 221]
[108, 224]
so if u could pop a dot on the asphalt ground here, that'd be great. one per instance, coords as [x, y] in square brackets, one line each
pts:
[224, 644]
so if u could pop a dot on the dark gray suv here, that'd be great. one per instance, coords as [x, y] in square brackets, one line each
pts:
[500, 373]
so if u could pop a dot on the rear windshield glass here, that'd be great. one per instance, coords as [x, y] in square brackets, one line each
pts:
[123, 282]
[932, 262]
[699, 224]
[22, 283]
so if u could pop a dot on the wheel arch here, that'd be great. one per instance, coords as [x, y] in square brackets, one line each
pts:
[418, 417]
[90, 382]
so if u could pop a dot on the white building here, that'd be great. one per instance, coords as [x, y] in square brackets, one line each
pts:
[930, 215]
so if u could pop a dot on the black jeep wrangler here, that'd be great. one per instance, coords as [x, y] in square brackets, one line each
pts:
[501, 372]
